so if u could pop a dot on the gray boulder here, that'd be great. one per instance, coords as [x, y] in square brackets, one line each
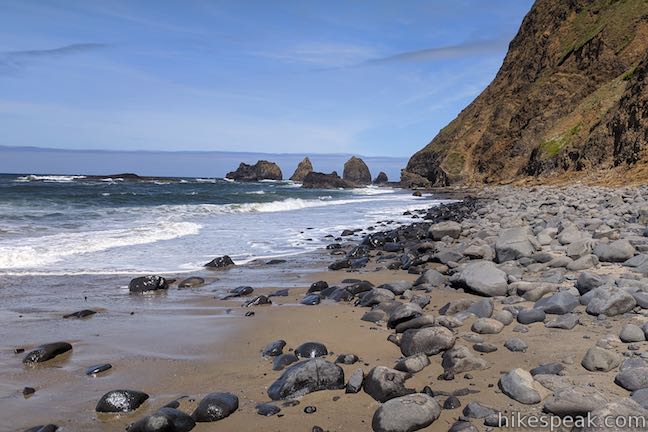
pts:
[306, 377]
[632, 333]
[617, 251]
[558, 304]
[482, 277]
[633, 379]
[461, 359]
[446, 228]
[519, 385]
[574, 401]
[610, 301]
[412, 364]
[406, 414]
[427, 340]
[599, 359]
[512, 244]
[383, 383]
[487, 326]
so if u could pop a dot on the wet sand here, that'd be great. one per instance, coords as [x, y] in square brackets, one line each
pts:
[200, 348]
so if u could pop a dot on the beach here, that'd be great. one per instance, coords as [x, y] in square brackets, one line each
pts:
[531, 308]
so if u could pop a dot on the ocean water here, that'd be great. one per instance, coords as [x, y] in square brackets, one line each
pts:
[59, 225]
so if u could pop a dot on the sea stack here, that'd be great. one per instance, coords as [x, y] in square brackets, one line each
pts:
[381, 178]
[304, 168]
[356, 172]
[318, 180]
[262, 170]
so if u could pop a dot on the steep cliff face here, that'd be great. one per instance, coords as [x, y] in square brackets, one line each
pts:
[570, 96]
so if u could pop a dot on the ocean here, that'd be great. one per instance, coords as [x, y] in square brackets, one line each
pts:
[66, 225]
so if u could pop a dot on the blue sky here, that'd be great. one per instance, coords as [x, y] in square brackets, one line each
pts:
[368, 77]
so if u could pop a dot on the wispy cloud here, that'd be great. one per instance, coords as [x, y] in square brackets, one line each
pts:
[12, 61]
[441, 53]
[327, 55]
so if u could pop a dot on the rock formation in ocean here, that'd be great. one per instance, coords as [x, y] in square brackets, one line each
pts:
[356, 171]
[305, 167]
[318, 180]
[262, 170]
[381, 178]
[571, 97]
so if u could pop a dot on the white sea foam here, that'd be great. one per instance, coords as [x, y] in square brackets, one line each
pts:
[47, 250]
[48, 179]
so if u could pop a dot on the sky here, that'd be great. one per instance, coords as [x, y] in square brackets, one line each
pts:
[368, 77]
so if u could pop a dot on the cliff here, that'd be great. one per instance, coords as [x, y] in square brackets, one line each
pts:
[570, 98]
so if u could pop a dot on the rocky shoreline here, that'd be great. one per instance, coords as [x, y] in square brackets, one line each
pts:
[512, 302]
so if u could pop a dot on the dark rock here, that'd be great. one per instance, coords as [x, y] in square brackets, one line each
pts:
[318, 286]
[47, 352]
[283, 360]
[240, 291]
[310, 409]
[267, 410]
[347, 359]
[311, 350]
[529, 316]
[262, 170]
[164, 420]
[588, 281]
[354, 385]
[484, 347]
[43, 428]
[412, 364]
[451, 403]
[28, 391]
[477, 411]
[280, 293]
[306, 377]
[311, 299]
[116, 401]
[276, 262]
[257, 301]
[318, 180]
[559, 303]
[148, 283]
[96, 369]
[215, 406]
[548, 369]
[516, 345]
[220, 262]
[274, 349]
[80, 314]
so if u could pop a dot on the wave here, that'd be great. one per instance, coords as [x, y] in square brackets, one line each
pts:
[373, 190]
[47, 250]
[48, 178]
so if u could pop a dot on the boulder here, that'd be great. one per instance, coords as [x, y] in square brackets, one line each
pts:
[617, 251]
[406, 414]
[632, 333]
[519, 385]
[487, 326]
[512, 244]
[318, 180]
[446, 228]
[262, 170]
[215, 406]
[427, 340]
[356, 171]
[610, 301]
[621, 415]
[354, 385]
[482, 277]
[147, 283]
[574, 401]
[117, 401]
[304, 168]
[47, 352]
[558, 304]
[633, 378]
[383, 383]
[599, 359]
[220, 262]
[460, 359]
[412, 364]
[410, 180]
[306, 377]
